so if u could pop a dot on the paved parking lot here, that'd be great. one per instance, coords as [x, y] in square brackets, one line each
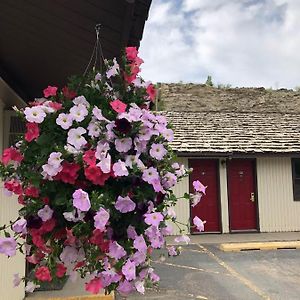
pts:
[205, 272]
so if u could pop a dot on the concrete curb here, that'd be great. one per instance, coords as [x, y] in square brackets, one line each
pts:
[260, 246]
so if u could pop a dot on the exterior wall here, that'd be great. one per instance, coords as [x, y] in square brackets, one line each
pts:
[223, 197]
[277, 209]
[182, 207]
[9, 207]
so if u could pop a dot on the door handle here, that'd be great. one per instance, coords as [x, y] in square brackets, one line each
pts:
[252, 197]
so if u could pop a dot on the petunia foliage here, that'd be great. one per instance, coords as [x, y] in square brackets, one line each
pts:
[94, 174]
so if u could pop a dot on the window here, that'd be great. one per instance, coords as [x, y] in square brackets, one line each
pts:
[296, 178]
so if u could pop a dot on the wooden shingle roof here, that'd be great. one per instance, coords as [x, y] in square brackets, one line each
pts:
[214, 121]
[235, 133]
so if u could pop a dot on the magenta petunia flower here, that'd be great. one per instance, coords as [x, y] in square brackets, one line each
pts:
[81, 200]
[140, 244]
[153, 218]
[50, 91]
[129, 270]
[138, 258]
[8, 246]
[101, 218]
[116, 251]
[45, 213]
[199, 187]
[125, 204]
[118, 106]
[123, 145]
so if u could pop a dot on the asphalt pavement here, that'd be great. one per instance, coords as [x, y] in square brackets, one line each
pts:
[203, 271]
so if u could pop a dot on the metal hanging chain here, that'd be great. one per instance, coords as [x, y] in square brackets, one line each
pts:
[96, 50]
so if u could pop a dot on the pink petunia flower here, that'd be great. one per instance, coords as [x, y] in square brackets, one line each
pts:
[118, 106]
[199, 187]
[81, 200]
[120, 169]
[125, 204]
[154, 218]
[123, 145]
[8, 246]
[101, 218]
[94, 286]
[199, 223]
[129, 270]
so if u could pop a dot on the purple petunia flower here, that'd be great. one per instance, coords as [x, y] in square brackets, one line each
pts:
[116, 251]
[153, 218]
[123, 145]
[45, 213]
[20, 226]
[8, 246]
[125, 204]
[140, 244]
[129, 269]
[81, 200]
[158, 151]
[101, 218]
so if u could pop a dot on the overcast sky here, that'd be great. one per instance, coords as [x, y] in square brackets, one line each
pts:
[237, 42]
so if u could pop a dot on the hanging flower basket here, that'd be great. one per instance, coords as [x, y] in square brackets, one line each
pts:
[94, 173]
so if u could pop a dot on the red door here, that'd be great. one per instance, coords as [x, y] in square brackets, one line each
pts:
[241, 192]
[206, 170]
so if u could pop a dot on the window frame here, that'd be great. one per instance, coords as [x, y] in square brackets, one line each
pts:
[295, 197]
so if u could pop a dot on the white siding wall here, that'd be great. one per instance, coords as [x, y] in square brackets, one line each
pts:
[182, 207]
[16, 264]
[224, 197]
[277, 210]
